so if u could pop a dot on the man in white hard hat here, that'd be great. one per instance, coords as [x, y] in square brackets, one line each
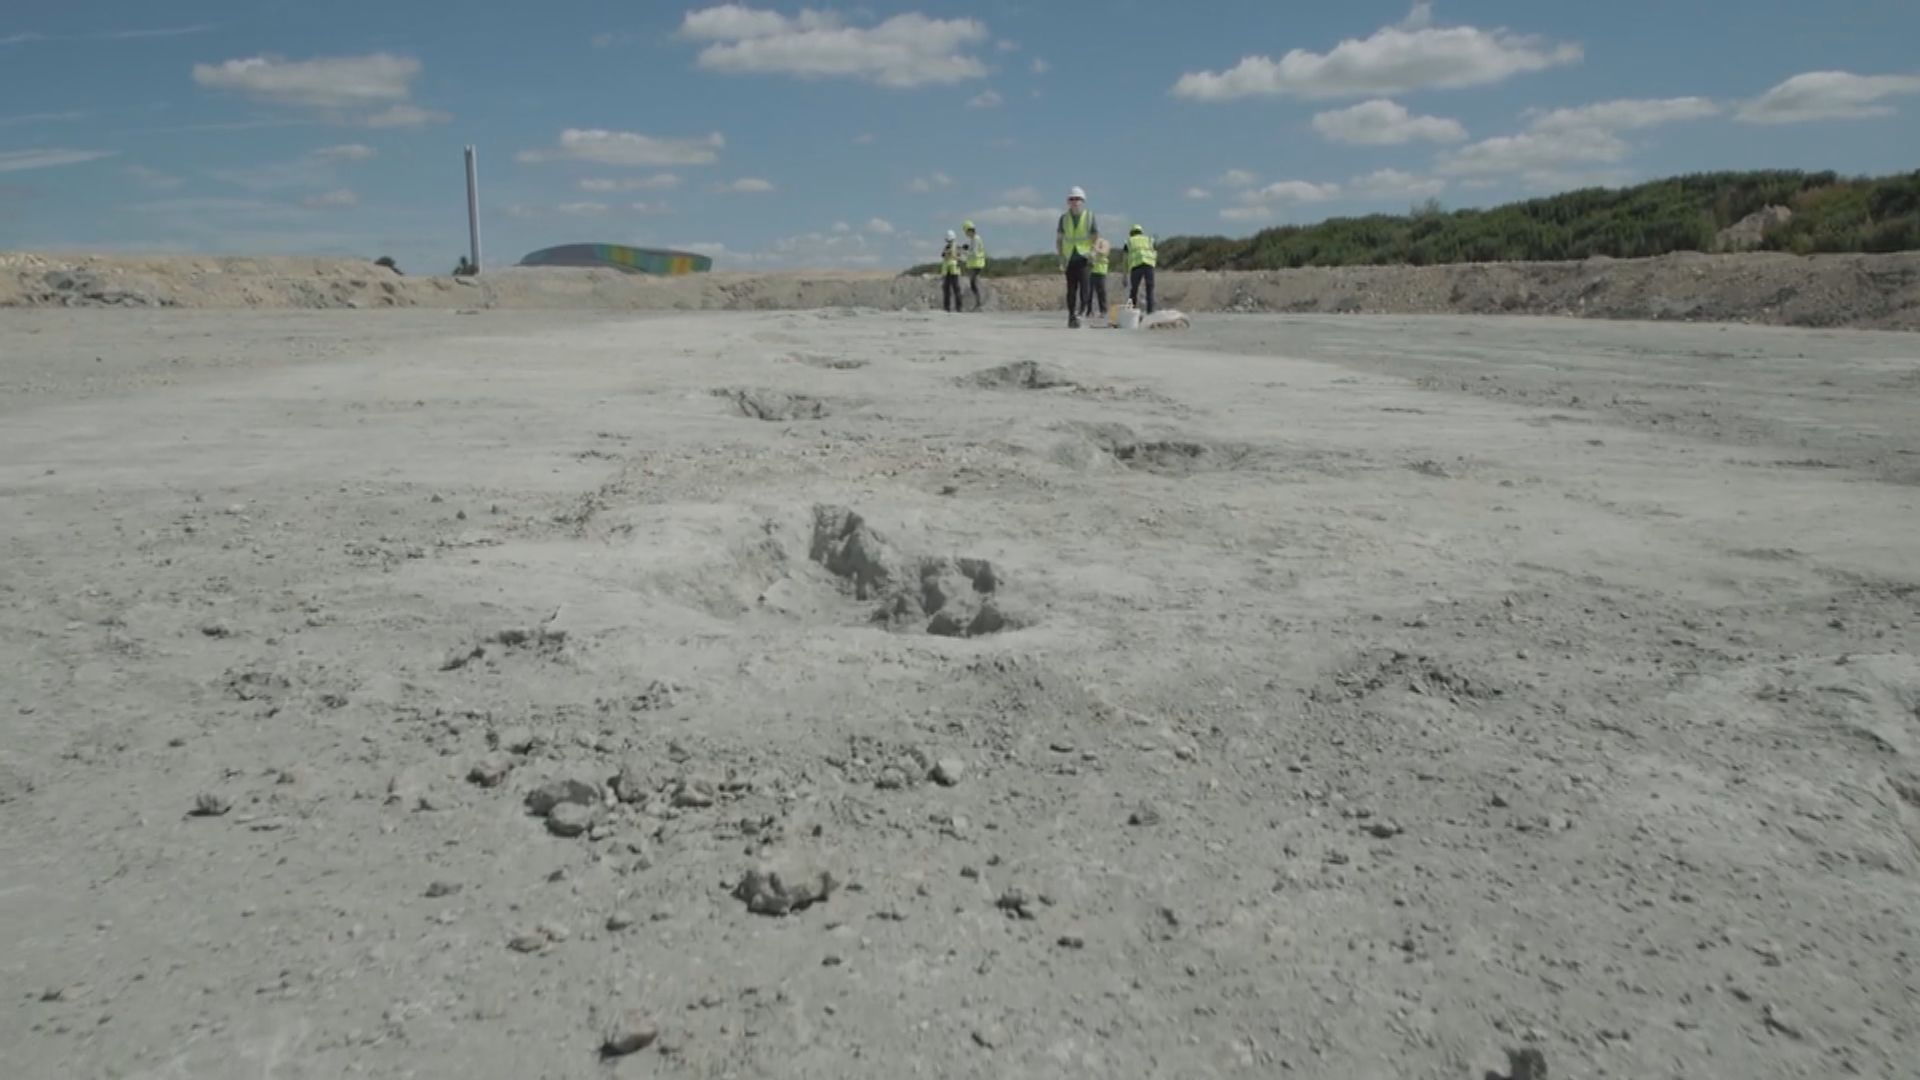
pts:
[950, 275]
[1073, 239]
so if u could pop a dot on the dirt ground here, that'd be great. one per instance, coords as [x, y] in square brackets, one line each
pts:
[1874, 292]
[408, 694]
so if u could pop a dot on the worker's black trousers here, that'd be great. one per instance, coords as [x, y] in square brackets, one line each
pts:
[1139, 274]
[950, 292]
[1076, 285]
[973, 282]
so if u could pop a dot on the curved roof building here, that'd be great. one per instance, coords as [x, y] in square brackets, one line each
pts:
[633, 260]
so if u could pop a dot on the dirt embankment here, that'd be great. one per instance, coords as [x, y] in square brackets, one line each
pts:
[1867, 291]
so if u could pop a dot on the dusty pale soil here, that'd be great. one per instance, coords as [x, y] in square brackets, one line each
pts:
[1333, 697]
[1860, 291]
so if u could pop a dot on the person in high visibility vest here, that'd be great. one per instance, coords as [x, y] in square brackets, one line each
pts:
[1095, 301]
[976, 261]
[1140, 262]
[950, 275]
[1073, 240]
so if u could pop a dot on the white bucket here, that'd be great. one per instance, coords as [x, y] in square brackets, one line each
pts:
[1129, 318]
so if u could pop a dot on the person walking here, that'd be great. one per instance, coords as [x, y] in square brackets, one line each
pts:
[950, 275]
[976, 260]
[1095, 304]
[1073, 240]
[1140, 263]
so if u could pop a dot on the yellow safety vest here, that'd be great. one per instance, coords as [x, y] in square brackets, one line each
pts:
[1140, 251]
[1076, 235]
[977, 256]
[1099, 262]
[949, 262]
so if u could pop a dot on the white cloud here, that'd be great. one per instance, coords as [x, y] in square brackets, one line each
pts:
[749, 185]
[1381, 122]
[1238, 178]
[340, 82]
[924, 184]
[904, 51]
[1249, 213]
[21, 39]
[1828, 95]
[1261, 204]
[163, 32]
[987, 99]
[346, 152]
[625, 148]
[1027, 194]
[331, 200]
[1625, 114]
[1039, 66]
[153, 179]
[657, 182]
[40, 118]
[842, 227]
[1394, 184]
[879, 227]
[582, 209]
[1291, 191]
[648, 208]
[1413, 55]
[1007, 46]
[1016, 215]
[1198, 193]
[21, 160]
[865, 138]
[1535, 151]
[405, 116]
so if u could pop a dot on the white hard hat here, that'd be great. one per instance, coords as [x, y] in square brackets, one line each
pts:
[1075, 193]
[950, 235]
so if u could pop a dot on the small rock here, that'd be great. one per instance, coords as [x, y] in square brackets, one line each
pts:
[1557, 823]
[490, 771]
[1383, 830]
[516, 740]
[1143, 815]
[678, 754]
[770, 891]
[571, 819]
[630, 1034]
[1072, 941]
[542, 800]
[439, 889]
[949, 771]
[891, 779]
[988, 1038]
[528, 943]
[210, 804]
[1782, 1021]
[408, 788]
[630, 786]
[694, 793]
[620, 920]
[1337, 858]
[1498, 801]
[1186, 752]
[831, 961]
[554, 931]
[1524, 1064]
[1016, 903]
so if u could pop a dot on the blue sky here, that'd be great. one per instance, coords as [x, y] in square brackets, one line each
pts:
[770, 134]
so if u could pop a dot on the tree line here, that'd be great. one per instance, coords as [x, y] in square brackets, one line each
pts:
[1831, 213]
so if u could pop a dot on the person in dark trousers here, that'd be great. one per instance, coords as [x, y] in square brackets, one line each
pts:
[975, 250]
[950, 276]
[1073, 239]
[1140, 262]
[1095, 303]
